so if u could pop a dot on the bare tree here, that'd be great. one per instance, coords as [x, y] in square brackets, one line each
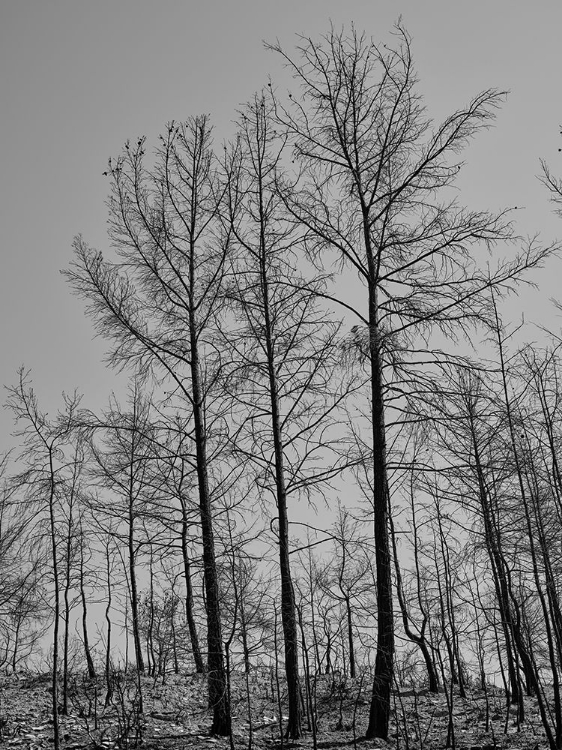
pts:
[175, 507]
[120, 465]
[417, 633]
[373, 192]
[43, 454]
[22, 611]
[284, 353]
[159, 305]
[346, 577]
[84, 556]
[71, 548]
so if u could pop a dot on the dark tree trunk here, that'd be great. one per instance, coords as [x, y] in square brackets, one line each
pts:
[87, 650]
[288, 606]
[219, 698]
[244, 634]
[150, 652]
[289, 623]
[54, 549]
[66, 637]
[350, 638]
[133, 582]
[108, 680]
[500, 575]
[379, 713]
[193, 636]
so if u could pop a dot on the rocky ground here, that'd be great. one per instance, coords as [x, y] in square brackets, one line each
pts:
[175, 716]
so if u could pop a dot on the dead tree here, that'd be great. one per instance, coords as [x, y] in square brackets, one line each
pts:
[370, 192]
[159, 304]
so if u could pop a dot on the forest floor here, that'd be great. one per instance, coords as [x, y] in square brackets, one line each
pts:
[176, 716]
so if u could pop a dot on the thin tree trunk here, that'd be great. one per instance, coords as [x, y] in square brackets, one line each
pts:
[418, 639]
[350, 638]
[499, 570]
[244, 635]
[151, 658]
[219, 698]
[16, 645]
[133, 578]
[288, 605]
[66, 635]
[193, 636]
[54, 674]
[108, 680]
[87, 651]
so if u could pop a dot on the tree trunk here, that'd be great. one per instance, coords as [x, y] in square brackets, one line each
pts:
[193, 636]
[288, 607]
[66, 634]
[133, 581]
[108, 681]
[87, 651]
[54, 673]
[350, 638]
[499, 572]
[219, 698]
[379, 713]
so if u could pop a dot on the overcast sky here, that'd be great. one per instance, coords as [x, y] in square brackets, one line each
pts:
[79, 77]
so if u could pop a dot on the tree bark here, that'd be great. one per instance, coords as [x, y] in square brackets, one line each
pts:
[219, 698]
[193, 636]
[288, 605]
[87, 650]
[54, 550]
[379, 712]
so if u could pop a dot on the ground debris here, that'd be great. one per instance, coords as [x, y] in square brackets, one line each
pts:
[177, 717]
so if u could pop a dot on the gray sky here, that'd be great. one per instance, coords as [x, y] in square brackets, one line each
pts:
[77, 78]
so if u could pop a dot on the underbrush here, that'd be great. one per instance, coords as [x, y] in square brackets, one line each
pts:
[173, 714]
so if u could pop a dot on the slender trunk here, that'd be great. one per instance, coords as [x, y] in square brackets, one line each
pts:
[499, 571]
[549, 602]
[379, 712]
[193, 636]
[418, 639]
[108, 682]
[126, 633]
[318, 662]
[54, 674]
[66, 638]
[67, 584]
[347, 600]
[442, 613]
[310, 707]
[16, 645]
[288, 607]
[133, 579]
[219, 698]
[288, 620]
[151, 658]
[174, 634]
[328, 652]
[87, 651]
[352, 673]
[448, 609]
[426, 645]
[244, 635]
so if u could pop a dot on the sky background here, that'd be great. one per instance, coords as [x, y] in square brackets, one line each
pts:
[78, 78]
